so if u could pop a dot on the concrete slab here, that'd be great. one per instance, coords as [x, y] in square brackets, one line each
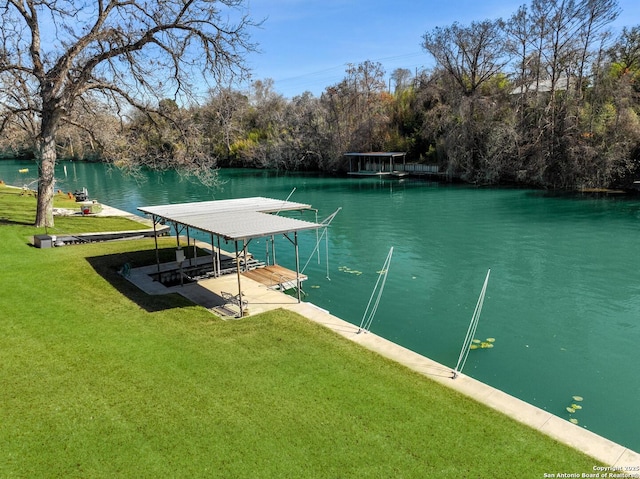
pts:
[211, 292]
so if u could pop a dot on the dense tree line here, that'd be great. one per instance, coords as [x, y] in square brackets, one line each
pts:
[547, 97]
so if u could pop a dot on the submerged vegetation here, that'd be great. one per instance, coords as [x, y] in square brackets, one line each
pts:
[573, 408]
[486, 344]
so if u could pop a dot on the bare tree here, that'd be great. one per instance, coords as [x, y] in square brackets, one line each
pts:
[401, 79]
[471, 55]
[625, 53]
[54, 53]
[595, 14]
[223, 115]
[471, 59]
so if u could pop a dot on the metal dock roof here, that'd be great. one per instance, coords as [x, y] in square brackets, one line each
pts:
[236, 219]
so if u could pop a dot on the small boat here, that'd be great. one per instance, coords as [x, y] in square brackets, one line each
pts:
[23, 170]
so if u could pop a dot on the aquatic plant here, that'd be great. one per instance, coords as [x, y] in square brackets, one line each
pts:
[573, 407]
[346, 269]
[486, 344]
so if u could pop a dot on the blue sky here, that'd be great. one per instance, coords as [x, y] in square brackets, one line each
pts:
[307, 44]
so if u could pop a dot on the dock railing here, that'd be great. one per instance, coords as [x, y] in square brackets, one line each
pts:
[413, 168]
[419, 168]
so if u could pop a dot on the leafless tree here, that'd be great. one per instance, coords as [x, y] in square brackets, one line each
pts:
[55, 53]
[401, 79]
[222, 116]
[471, 55]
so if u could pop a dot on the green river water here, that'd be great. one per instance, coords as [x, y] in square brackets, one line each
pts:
[563, 300]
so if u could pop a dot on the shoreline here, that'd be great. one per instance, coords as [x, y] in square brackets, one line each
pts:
[600, 448]
[207, 293]
[583, 440]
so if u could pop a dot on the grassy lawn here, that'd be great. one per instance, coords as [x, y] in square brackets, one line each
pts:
[99, 380]
[19, 208]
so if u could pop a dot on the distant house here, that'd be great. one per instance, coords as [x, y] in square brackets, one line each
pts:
[563, 83]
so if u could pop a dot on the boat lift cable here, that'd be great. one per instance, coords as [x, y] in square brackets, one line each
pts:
[368, 315]
[317, 241]
[285, 201]
[466, 346]
[272, 239]
[325, 234]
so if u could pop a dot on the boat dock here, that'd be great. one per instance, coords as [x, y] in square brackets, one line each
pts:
[395, 173]
[219, 293]
[387, 164]
[275, 277]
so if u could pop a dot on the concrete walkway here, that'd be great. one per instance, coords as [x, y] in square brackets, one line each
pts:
[211, 294]
[111, 211]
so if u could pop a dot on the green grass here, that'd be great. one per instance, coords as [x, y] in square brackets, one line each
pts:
[99, 380]
[20, 209]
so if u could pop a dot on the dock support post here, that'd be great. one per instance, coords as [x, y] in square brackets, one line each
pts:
[295, 243]
[155, 238]
[188, 245]
[218, 258]
[238, 274]
[213, 257]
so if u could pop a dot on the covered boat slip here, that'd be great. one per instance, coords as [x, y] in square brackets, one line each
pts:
[239, 221]
[376, 163]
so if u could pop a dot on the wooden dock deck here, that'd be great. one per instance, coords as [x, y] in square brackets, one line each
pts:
[274, 276]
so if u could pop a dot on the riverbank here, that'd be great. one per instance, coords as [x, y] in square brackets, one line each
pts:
[260, 299]
[562, 302]
[600, 448]
[209, 294]
[101, 380]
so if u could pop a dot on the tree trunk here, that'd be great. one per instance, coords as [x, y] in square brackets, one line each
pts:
[46, 170]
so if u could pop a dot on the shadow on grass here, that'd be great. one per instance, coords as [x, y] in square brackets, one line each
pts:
[6, 221]
[109, 266]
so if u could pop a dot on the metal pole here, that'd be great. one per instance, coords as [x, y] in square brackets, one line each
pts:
[213, 256]
[295, 243]
[266, 254]
[273, 249]
[244, 256]
[195, 252]
[189, 244]
[218, 256]
[155, 237]
[238, 274]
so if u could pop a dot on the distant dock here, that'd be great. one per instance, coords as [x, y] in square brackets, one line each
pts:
[388, 164]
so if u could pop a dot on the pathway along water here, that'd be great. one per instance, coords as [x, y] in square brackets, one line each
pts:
[563, 303]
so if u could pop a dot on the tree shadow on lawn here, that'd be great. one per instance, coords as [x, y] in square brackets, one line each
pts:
[7, 221]
[109, 267]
